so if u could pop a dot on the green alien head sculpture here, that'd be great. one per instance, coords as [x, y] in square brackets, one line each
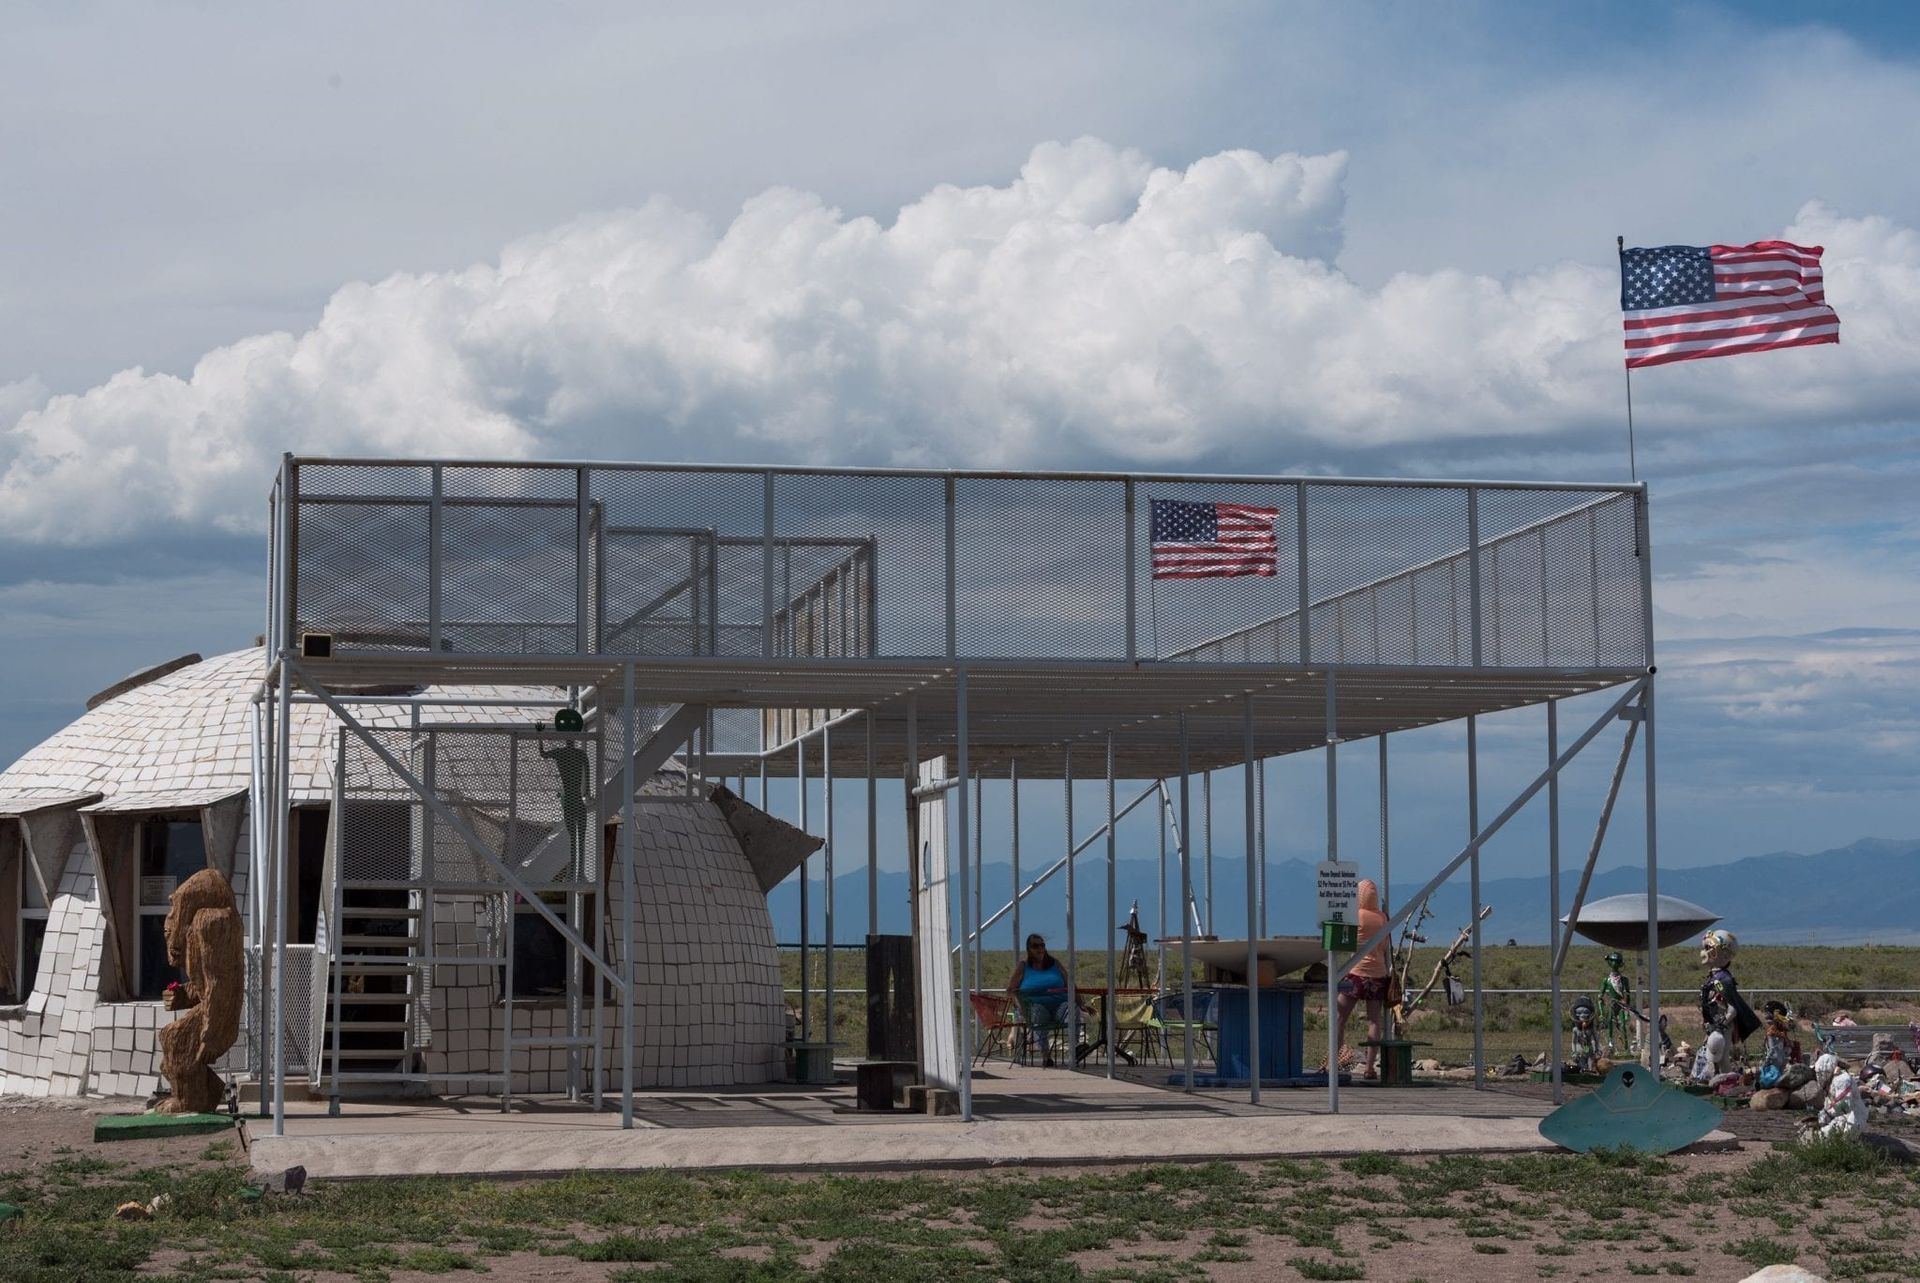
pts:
[569, 720]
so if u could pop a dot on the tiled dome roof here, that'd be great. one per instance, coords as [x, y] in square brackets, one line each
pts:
[190, 731]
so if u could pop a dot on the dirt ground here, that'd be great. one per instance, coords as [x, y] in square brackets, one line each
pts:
[1465, 1238]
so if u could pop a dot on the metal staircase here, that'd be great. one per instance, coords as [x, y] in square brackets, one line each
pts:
[368, 1033]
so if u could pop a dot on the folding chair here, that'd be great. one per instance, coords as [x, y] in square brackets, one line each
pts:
[998, 1017]
[1169, 1021]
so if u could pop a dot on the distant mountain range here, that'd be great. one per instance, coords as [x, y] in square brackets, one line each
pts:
[1868, 892]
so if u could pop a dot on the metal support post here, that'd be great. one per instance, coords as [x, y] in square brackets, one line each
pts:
[1386, 852]
[1386, 873]
[826, 863]
[767, 613]
[967, 1039]
[1073, 966]
[1160, 935]
[1254, 1060]
[1473, 827]
[262, 875]
[1133, 649]
[1108, 1029]
[582, 566]
[277, 892]
[628, 887]
[1553, 891]
[1302, 610]
[873, 837]
[977, 934]
[1653, 894]
[1265, 872]
[597, 1016]
[953, 625]
[1186, 900]
[1333, 853]
[506, 937]
[806, 977]
[1206, 842]
[1013, 844]
[1645, 544]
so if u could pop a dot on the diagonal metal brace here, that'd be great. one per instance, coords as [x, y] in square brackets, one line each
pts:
[446, 815]
[1413, 901]
[1564, 932]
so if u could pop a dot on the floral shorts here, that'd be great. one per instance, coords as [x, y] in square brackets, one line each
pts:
[1365, 988]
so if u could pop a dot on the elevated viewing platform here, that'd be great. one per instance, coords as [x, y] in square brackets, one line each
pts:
[780, 598]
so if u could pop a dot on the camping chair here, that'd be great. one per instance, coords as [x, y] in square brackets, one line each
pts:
[998, 1018]
[1169, 1021]
[1136, 1030]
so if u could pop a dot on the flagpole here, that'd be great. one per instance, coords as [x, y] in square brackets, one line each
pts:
[1633, 467]
[1153, 610]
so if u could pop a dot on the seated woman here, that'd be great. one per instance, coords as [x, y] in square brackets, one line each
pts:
[1039, 985]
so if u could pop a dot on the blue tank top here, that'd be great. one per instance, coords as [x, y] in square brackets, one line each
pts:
[1043, 979]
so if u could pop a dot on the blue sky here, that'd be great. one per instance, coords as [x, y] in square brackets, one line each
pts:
[1333, 239]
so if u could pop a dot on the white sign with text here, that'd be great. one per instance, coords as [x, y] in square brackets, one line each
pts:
[1337, 883]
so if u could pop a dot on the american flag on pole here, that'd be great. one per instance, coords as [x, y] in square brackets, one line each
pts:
[1683, 302]
[1210, 540]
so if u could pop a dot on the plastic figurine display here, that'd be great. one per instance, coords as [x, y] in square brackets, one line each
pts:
[1617, 1012]
[204, 939]
[1586, 1036]
[1632, 1109]
[1722, 1009]
[1780, 1049]
[1713, 1061]
[1842, 1111]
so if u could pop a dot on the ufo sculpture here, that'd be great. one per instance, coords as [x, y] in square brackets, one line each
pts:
[1620, 921]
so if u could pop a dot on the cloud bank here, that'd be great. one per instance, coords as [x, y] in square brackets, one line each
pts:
[1095, 307]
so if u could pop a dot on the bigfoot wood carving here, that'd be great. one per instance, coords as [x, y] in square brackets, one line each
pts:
[204, 941]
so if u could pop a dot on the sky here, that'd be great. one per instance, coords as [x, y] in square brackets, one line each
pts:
[1333, 240]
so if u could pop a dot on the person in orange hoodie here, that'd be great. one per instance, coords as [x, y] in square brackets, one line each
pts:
[1367, 982]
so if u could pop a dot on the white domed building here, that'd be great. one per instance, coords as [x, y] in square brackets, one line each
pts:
[101, 821]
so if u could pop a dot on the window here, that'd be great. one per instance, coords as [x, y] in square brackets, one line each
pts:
[309, 851]
[23, 928]
[33, 931]
[541, 955]
[171, 851]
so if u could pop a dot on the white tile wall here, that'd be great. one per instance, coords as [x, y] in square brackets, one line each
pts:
[707, 997]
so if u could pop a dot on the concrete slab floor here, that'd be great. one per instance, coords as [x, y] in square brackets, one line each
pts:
[1023, 1117]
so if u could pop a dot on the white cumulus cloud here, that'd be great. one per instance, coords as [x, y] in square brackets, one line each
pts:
[1095, 307]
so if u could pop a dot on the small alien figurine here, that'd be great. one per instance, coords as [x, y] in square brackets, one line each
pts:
[1616, 1007]
[1722, 1009]
[1586, 1037]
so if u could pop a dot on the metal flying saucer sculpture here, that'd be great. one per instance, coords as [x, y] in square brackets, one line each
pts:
[1620, 921]
[1632, 1109]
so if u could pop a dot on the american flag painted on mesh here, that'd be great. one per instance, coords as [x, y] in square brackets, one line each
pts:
[1683, 302]
[1208, 540]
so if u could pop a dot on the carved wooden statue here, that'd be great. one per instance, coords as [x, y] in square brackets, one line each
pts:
[204, 938]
